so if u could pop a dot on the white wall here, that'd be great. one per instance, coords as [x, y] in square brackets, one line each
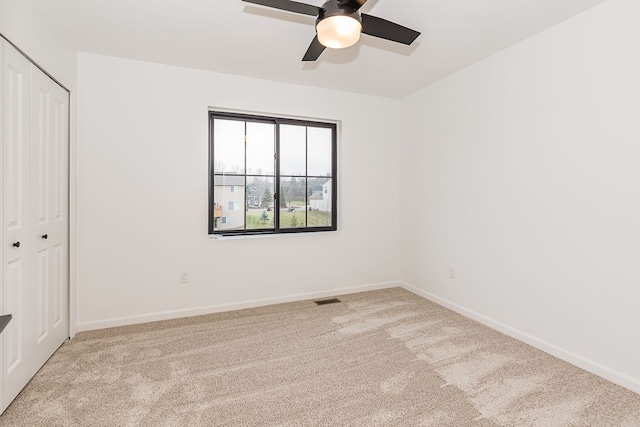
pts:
[142, 195]
[523, 172]
[24, 24]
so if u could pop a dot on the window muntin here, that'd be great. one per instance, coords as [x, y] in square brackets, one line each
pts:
[271, 175]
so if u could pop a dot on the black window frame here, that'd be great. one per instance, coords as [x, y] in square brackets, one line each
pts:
[277, 121]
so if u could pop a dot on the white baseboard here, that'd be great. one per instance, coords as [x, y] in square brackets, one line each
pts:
[612, 375]
[197, 311]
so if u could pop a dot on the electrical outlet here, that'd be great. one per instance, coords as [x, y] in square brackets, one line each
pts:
[184, 277]
[452, 273]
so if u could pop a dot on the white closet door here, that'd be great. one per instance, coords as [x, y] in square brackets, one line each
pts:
[2, 404]
[49, 229]
[17, 369]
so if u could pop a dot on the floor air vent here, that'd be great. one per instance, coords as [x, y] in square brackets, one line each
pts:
[327, 301]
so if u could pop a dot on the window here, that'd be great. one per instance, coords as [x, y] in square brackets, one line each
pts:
[273, 175]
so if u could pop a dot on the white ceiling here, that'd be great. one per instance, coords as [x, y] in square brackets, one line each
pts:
[231, 36]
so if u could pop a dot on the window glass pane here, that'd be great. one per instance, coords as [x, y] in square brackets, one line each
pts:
[319, 143]
[260, 202]
[320, 205]
[228, 153]
[293, 195]
[228, 206]
[293, 150]
[260, 148]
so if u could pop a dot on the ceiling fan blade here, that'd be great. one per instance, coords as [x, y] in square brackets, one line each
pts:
[356, 4]
[314, 51]
[289, 6]
[388, 30]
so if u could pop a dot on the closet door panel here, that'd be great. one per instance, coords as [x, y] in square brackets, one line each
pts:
[34, 136]
[2, 312]
[17, 369]
[49, 215]
[40, 212]
[59, 300]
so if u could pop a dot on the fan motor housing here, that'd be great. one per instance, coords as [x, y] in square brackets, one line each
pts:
[336, 8]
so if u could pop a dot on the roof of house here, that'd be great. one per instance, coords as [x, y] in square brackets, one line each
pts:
[228, 180]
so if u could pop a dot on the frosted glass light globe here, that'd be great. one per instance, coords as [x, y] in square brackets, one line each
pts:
[338, 32]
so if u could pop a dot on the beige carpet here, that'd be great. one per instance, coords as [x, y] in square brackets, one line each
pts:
[383, 358]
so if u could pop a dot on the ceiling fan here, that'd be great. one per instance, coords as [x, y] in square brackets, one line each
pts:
[339, 24]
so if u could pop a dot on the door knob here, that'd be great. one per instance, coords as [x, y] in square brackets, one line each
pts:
[16, 244]
[45, 236]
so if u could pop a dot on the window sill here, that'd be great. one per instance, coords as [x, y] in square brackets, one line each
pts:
[243, 237]
[265, 235]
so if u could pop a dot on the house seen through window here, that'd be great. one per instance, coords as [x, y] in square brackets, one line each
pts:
[271, 175]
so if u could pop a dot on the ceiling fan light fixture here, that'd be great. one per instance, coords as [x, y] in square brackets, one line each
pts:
[339, 24]
[339, 31]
